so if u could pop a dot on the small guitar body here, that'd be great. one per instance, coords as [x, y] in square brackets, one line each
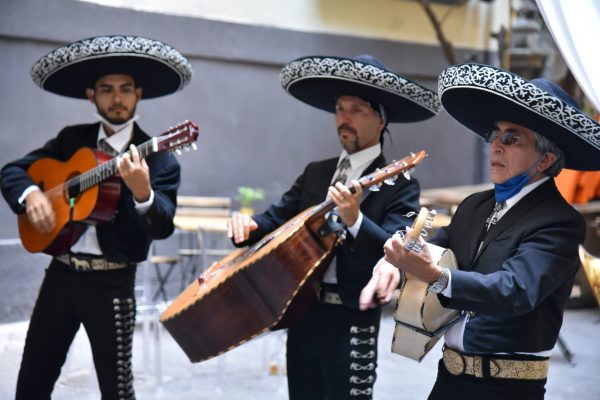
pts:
[420, 318]
[85, 189]
[95, 205]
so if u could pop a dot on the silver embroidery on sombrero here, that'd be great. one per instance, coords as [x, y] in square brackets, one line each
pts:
[366, 74]
[111, 45]
[522, 92]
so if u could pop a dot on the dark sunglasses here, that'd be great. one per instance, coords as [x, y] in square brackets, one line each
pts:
[507, 138]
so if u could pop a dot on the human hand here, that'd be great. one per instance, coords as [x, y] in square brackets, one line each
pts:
[348, 204]
[135, 173]
[239, 227]
[39, 211]
[380, 288]
[417, 263]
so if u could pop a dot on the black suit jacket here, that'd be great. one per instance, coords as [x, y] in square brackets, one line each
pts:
[518, 283]
[384, 214]
[127, 237]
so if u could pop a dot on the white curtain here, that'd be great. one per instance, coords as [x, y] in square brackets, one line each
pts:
[575, 26]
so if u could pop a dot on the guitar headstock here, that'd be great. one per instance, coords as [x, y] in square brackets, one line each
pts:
[422, 223]
[388, 174]
[182, 136]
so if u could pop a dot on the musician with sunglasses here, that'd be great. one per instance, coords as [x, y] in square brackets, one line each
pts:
[516, 246]
[90, 280]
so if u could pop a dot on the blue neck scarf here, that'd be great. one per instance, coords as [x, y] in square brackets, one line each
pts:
[507, 189]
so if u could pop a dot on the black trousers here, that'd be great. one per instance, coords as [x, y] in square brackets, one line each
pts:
[466, 387]
[332, 354]
[103, 301]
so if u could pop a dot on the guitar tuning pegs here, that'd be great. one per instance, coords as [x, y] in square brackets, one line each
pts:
[391, 181]
[194, 147]
[178, 152]
[406, 175]
[375, 188]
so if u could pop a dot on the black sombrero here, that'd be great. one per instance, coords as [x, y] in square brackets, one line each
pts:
[318, 81]
[68, 70]
[479, 95]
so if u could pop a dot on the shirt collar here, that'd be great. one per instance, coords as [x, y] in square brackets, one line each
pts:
[362, 157]
[526, 190]
[118, 140]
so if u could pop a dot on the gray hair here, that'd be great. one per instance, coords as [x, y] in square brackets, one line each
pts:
[544, 145]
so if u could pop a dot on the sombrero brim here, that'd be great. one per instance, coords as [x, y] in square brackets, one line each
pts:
[158, 68]
[479, 95]
[318, 81]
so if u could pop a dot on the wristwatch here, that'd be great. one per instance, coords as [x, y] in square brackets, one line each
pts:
[442, 282]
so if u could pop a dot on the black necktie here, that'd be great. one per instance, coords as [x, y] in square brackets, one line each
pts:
[107, 148]
[342, 169]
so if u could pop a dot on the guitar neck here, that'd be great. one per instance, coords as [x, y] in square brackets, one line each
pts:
[376, 178]
[105, 170]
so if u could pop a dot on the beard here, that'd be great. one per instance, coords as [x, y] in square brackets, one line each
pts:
[118, 120]
[350, 145]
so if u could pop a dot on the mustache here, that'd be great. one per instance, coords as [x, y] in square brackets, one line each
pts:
[347, 127]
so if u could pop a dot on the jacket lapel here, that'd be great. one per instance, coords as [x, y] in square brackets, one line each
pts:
[518, 211]
[480, 215]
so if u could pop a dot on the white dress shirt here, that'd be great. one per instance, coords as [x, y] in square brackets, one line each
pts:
[359, 161]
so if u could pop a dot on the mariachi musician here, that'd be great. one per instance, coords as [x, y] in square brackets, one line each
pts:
[332, 352]
[516, 246]
[91, 281]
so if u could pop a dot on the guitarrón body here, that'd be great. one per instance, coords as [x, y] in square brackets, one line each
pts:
[264, 286]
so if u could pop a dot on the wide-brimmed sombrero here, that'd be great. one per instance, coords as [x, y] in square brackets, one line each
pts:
[319, 80]
[478, 95]
[68, 70]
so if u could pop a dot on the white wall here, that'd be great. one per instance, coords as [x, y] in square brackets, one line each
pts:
[467, 26]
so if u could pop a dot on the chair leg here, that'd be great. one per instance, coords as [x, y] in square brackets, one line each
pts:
[162, 281]
[562, 345]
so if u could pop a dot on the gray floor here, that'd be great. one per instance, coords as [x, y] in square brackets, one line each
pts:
[256, 369]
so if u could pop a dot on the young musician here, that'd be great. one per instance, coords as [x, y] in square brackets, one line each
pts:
[91, 282]
[516, 245]
[332, 352]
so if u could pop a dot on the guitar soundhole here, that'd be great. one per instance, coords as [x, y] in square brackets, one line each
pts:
[72, 190]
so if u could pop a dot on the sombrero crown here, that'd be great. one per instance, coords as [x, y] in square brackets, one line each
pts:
[68, 70]
[478, 95]
[319, 80]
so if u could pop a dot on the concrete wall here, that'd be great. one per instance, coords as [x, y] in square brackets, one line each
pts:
[251, 132]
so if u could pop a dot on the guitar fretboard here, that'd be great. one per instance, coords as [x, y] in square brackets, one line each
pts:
[105, 170]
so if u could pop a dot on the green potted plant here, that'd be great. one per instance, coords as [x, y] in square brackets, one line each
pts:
[246, 196]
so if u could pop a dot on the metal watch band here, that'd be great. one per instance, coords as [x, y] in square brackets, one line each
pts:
[442, 282]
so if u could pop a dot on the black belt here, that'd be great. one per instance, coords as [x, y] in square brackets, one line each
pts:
[85, 263]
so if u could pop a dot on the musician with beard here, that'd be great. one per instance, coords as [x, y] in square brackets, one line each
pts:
[332, 351]
[516, 245]
[91, 282]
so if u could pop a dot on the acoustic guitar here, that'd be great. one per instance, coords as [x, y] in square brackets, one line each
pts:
[85, 189]
[420, 318]
[266, 286]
